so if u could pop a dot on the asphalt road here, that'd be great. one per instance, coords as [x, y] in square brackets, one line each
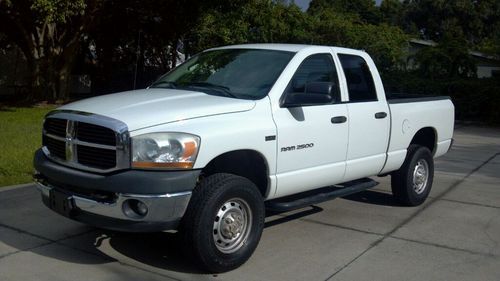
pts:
[455, 235]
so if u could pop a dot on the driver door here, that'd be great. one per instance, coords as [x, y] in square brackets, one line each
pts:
[312, 138]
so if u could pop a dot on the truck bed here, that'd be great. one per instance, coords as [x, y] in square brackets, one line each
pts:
[410, 114]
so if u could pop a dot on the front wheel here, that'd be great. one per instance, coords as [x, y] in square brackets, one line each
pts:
[412, 183]
[224, 221]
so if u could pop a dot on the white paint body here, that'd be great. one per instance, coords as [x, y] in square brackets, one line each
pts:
[361, 147]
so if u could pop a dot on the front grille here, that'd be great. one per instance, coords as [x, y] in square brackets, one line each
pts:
[57, 148]
[96, 157]
[55, 126]
[82, 145]
[95, 134]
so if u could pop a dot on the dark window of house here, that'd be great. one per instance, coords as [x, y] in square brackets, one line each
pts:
[318, 68]
[359, 78]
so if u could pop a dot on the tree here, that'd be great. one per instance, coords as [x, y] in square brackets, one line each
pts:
[392, 12]
[474, 20]
[364, 9]
[255, 21]
[458, 27]
[385, 43]
[137, 40]
[263, 21]
[54, 34]
[449, 59]
[49, 34]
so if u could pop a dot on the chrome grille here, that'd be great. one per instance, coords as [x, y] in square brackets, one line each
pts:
[86, 141]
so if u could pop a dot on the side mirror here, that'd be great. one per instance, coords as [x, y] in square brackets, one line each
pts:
[324, 88]
[316, 93]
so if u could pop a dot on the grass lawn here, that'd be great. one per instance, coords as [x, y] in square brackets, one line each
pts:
[20, 136]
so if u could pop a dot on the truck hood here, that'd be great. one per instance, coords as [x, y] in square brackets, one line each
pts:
[149, 107]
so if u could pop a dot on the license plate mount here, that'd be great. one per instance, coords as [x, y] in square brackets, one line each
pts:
[61, 203]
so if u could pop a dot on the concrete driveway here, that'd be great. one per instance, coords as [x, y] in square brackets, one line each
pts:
[455, 235]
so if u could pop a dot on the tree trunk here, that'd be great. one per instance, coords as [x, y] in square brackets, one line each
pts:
[63, 83]
[67, 60]
[35, 93]
[174, 54]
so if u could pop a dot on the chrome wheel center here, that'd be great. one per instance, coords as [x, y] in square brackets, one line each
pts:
[420, 176]
[232, 225]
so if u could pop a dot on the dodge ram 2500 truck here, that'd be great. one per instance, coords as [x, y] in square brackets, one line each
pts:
[231, 132]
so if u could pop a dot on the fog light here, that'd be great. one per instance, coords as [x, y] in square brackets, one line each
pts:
[140, 208]
[134, 208]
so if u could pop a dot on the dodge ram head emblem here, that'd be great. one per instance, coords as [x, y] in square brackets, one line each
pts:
[70, 143]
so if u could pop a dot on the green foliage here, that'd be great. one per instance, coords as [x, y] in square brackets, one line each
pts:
[21, 136]
[457, 27]
[386, 44]
[364, 10]
[113, 39]
[450, 58]
[255, 21]
[54, 11]
[474, 99]
[474, 20]
[261, 21]
[49, 33]
[392, 12]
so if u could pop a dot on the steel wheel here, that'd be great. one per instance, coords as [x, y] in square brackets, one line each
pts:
[232, 225]
[412, 183]
[420, 176]
[223, 222]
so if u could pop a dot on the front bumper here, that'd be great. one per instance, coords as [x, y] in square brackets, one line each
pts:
[85, 198]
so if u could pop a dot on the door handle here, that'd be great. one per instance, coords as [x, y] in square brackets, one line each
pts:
[339, 119]
[380, 115]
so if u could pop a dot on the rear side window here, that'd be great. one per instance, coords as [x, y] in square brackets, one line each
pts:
[316, 69]
[359, 78]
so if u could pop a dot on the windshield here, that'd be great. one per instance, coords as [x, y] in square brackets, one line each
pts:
[236, 73]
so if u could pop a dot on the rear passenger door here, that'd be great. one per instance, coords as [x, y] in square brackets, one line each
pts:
[368, 116]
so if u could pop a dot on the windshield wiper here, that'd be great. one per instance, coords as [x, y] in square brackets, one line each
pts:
[220, 88]
[164, 84]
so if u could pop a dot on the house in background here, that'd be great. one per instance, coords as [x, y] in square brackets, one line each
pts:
[487, 66]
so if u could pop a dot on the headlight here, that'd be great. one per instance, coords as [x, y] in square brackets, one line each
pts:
[164, 150]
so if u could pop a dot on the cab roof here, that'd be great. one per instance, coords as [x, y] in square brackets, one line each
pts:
[277, 47]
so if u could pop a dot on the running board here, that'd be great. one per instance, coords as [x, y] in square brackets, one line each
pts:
[316, 196]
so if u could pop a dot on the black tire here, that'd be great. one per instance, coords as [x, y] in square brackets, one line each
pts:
[202, 241]
[408, 189]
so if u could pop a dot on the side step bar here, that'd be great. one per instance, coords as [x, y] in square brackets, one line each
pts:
[316, 196]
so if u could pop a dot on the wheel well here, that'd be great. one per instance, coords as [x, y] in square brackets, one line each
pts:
[245, 163]
[425, 137]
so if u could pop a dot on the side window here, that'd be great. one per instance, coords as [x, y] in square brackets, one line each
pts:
[316, 73]
[359, 78]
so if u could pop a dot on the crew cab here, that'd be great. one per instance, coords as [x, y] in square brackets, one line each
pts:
[232, 132]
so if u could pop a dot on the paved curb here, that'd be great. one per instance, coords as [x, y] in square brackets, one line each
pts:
[11, 187]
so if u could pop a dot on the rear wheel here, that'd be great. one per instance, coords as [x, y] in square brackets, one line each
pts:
[412, 183]
[224, 221]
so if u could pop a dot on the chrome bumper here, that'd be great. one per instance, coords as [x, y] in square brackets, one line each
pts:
[161, 207]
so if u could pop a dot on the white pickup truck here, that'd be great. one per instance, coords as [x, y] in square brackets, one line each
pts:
[232, 132]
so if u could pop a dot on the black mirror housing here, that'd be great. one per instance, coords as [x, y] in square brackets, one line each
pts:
[316, 93]
[324, 88]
